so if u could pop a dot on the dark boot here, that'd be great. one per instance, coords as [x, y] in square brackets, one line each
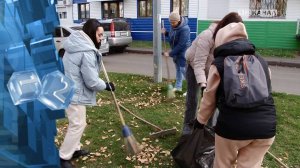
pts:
[79, 153]
[66, 163]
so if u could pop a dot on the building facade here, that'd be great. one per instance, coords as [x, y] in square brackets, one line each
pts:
[270, 23]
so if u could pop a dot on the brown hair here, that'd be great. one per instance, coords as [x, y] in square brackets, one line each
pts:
[229, 18]
[90, 27]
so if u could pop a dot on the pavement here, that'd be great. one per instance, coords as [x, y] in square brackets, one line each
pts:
[274, 61]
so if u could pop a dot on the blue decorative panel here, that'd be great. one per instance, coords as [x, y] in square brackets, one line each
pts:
[27, 130]
[57, 91]
[142, 28]
[24, 86]
[79, 1]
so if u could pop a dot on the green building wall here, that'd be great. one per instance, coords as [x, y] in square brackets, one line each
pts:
[267, 34]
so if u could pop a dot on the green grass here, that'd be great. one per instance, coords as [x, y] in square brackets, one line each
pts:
[146, 44]
[285, 53]
[147, 99]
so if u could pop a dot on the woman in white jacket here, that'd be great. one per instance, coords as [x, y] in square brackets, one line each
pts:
[82, 64]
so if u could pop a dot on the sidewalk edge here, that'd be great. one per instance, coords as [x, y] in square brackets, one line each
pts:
[270, 62]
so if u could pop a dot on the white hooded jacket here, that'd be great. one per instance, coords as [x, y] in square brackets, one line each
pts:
[82, 64]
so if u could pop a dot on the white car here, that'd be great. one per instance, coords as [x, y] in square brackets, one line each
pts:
[62, 32]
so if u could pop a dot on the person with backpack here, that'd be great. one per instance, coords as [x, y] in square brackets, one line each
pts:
[179, 39]
[239, 85]
[81, 63]
[199, 57]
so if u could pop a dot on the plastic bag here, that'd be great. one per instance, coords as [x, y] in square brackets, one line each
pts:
[196, 150]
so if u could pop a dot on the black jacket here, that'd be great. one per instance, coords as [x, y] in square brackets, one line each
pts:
[240, 123]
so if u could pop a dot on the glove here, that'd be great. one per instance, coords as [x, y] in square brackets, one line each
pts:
[110, 86]
[166, 54]
[198, 125]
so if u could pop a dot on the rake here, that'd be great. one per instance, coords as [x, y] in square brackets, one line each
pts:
[170, 91]
[132, 146]
[159, 133]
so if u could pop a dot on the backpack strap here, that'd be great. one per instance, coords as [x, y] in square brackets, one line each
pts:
[265, 66]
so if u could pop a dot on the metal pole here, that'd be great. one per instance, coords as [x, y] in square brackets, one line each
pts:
[157, 57]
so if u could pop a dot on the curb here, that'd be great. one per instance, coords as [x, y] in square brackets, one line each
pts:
[283, 64]
[138, 51]
[271, 61]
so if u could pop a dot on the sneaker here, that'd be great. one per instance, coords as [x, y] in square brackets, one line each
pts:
[66, 163]
[79, 153]
[184, 94]
[177, 90]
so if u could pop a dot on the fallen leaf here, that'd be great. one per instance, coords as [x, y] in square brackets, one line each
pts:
[85, 158]
[87, 142]
[104, 137]
[128, 158]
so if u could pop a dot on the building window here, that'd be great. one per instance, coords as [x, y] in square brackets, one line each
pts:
[84, 11]
[112, 10]
[62, 15]
[145, 8]
[180, 6]
[267, 9]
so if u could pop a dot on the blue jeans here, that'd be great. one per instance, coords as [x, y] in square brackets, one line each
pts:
[180, 75]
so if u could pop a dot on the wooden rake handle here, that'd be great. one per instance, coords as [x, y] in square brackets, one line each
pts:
[113, 95]
[140, 118]
[278, 160]
[165, 50]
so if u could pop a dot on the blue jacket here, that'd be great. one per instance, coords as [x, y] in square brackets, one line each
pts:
[81, 63]
[179, 39]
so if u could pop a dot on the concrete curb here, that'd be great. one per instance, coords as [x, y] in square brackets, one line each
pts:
[283, 63]
[271, 60]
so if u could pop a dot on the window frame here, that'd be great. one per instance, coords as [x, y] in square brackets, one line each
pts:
[85, 11]
[180, 7]
[147, 12]
[62, 15]
[120, 11]
[256, 10]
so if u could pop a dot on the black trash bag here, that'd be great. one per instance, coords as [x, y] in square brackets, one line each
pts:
[196, 150]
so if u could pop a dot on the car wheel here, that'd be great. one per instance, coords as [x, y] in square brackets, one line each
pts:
[61, 53]
[121, 49]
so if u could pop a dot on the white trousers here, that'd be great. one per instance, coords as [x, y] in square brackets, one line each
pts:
[77, 122]
[247, 153]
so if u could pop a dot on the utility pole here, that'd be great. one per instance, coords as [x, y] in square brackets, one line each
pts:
[157, 57]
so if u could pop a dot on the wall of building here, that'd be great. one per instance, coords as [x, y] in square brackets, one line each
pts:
[130, 8]
[95, 10]
[264, 33]
[142, 28]
[75, 12]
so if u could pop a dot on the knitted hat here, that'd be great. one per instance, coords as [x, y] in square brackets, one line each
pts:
[230, 32]
[174, 16]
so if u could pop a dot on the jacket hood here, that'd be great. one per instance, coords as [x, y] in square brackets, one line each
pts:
[78, 41]
[230, 32]
[235, 47]
[184, 22]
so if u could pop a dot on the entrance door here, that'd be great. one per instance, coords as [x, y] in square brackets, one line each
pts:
[112, 10]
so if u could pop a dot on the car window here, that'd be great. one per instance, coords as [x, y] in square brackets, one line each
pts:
[106, 26]
[65, 32]
[76, 28]
[121, 26]
[57, 32]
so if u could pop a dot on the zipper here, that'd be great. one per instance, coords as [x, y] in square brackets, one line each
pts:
[174, 38]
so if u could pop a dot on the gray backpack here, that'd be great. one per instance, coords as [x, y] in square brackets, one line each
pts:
[245, 83]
